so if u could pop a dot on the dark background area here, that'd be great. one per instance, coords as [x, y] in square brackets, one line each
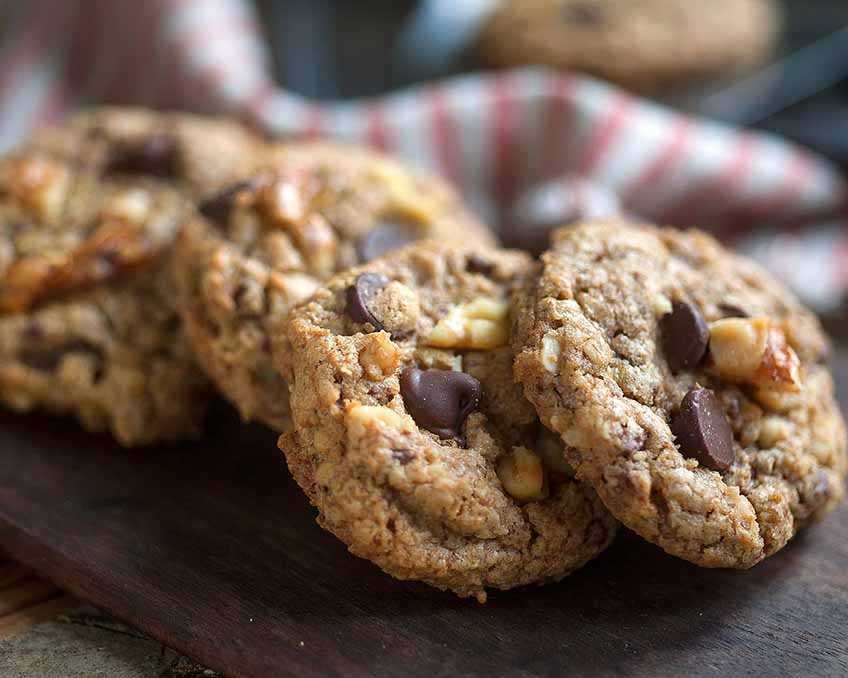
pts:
[331, 49]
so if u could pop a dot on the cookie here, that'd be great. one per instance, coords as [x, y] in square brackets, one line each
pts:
[412, 438]
[645, 46]
[264, 244]
[689, 387]
[89, 211]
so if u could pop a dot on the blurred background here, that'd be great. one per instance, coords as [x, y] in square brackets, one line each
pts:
[332, 49]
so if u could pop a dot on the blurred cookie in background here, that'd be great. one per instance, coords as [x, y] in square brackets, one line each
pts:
[88, 212]
[646, 46]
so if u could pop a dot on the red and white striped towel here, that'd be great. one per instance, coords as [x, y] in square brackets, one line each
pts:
[496, 136]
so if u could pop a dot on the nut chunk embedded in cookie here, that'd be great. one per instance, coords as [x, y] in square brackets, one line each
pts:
[689, 386]
[263, 245]
[411, 436]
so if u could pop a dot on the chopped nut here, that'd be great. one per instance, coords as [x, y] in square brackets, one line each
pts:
[40, 185]
[522, 475]
[438, 359]
[754, 351]
[318, 242]
[550, 353]
[131, 206]
[404, 197]
[776, 400]
[597, 351]
[481, 324]
[293, 287]
[284, 200]
[111, 249]
[368, 415]
[772, 431]
[380, 356]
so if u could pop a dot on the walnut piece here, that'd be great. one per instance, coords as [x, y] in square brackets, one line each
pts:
[113, 248]
[371, 415]
[550, 353]
[40, 185]
[523, 475]
[380, 356]
[753, 351]
[480, 324]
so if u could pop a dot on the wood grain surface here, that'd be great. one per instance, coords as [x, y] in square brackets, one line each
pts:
[212, 549]
[26, 600]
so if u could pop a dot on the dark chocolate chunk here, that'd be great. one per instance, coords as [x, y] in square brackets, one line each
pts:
[364, 289]
[156, 155]
[702, 430]
[440, 400]
[385, 237]
[218, 207]
[685, 336]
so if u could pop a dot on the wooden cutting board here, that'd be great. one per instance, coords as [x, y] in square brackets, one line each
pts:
[212, 549]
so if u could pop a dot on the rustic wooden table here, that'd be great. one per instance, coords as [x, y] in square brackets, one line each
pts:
[212, 550]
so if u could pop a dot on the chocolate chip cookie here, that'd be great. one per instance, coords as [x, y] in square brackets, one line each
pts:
[645, 46]
[89, 211]
[689, 387]
[412, 438]
[264, 244]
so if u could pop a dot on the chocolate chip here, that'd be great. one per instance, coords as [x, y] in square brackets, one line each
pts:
[732, 311]
[440, 400]
[156, 155]
[364, 289]
[218, 207]
[702, 430]
[685, 336]
[384, 237]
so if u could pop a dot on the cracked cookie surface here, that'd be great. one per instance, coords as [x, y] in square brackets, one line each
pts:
[264, 244]
[89, 211]
[688, 385]
[645, 46]
[412, 438]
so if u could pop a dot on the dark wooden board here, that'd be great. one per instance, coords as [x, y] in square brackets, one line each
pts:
[212, 549]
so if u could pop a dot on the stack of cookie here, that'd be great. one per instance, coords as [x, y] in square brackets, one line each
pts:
[459, 414]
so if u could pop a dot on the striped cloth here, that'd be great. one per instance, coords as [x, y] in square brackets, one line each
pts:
[496, 136]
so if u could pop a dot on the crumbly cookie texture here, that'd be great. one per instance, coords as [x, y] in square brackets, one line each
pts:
[265, 243]
[645, 46]
[688, 385]
[89, 211]
[412, 438]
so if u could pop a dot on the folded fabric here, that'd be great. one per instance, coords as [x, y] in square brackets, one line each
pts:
[497, 136]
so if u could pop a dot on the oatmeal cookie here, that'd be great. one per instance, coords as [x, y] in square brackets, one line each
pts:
[89, 211]
[689, 387]
[645, 46]
[264, 244]
[412, 438]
